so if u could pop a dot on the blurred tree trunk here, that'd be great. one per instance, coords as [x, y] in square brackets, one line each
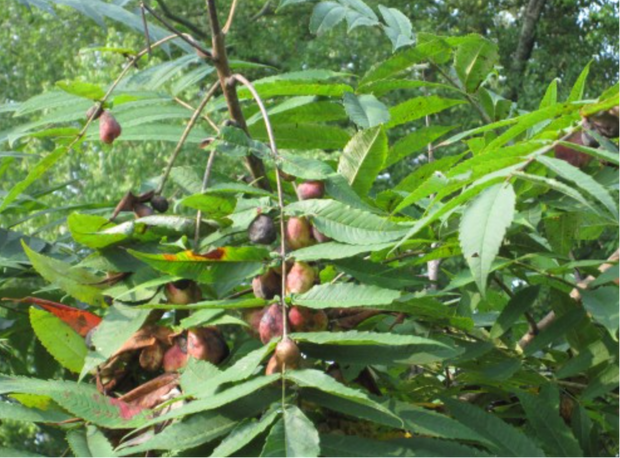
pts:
[531, 16]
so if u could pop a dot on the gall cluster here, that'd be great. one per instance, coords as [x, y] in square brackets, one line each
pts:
[268, 323]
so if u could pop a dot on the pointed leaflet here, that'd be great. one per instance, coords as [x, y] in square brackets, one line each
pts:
[221, 263]
[96, 231]
[556, 186]
[80, 321]
[335, 250]
[311, 378]
[363, 158]
[518, 305]
[602, 303]
[507, 440]
[75, 282]
[451, 204]
[581, 179]
[365, 110]
[34, 174]
[345, 224]
[551, 95]
[357, 446]
[89, 443]
[473, 61]
[413, 142]
[62, 342]
[293, 435]
[576, 92]
[80, 399]
[418, 108]
[365, 338]
[243, 434]
[222, 398]
[605, 381]
[326, 16]
[483, 227]
[546, 422]
[19, 412]
[98, 444]
[188, 433]
[397, 27]
[203, 427]
[346, 295]
[434, 48]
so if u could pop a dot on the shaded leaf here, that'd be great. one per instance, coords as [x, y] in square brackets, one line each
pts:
[483, 226]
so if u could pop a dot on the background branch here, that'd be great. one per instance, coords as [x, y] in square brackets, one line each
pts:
[181, 20]
[183, 36]
[531, 16]
[186, 132]
[220, 61]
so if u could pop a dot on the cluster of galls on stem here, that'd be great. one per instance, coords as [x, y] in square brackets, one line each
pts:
[159, 348]
[604, 123]
[268, 323]
[139, 204]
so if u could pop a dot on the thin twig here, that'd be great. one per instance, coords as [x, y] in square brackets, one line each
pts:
[231, 16]
[262, 12]
[205, 185]
[180, 20]
[432, 266]
[528, 316]
[183, 36]
[186, 132]
[145, 24]
[546, 274]
[485, 117]
[274, 150]
[239, 293]
[503, 286]
[204, 116]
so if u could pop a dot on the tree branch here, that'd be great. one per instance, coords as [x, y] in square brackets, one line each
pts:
[473, 102]
[575, 294]
[181, 20]
[231, 16]
[186, 132]
[183, 36]
[262, 12]
[220, 61]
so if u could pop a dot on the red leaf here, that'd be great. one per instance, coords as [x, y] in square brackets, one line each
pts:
[80, 320]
